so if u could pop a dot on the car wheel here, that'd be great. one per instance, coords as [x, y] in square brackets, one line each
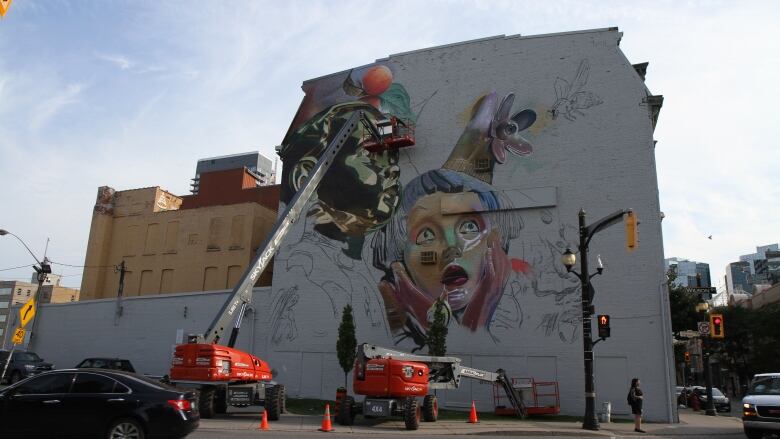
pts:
[752, 433]
[126, 429]
[206, 404]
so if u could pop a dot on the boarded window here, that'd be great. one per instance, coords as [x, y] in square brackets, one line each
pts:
[211, 279]
[166, 281]
[131, 238]
[234, 275]
[216, 230]
[237, 232]
[147, 283]
[171, 236]
[152, 238]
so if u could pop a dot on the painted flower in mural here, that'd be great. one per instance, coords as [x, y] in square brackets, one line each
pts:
[451, 235]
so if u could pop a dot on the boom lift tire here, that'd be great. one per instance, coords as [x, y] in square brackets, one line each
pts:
[430, 408]
[412, 413]
[206, 404]
[346, 414]
[220, 401]
[272, 403]
[282, 398]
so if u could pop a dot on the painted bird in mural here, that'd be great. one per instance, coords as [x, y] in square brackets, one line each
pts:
[505, 130]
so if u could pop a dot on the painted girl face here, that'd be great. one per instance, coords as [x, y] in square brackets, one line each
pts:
[460, 242]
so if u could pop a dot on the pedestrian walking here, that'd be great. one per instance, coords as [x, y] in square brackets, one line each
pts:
[635, 399]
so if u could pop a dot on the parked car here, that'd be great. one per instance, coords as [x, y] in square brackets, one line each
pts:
[761, 406]
[721, 401]
[106, 363]
[22, 365]
[97, 403]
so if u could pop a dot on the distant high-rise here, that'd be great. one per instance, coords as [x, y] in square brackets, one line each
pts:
[258, 165]
[759, 268]
[687, 270]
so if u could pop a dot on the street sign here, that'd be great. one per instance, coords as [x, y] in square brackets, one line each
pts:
[701, 290]
[704, 328]
[27, 312]
[4, 5]
[18, 336]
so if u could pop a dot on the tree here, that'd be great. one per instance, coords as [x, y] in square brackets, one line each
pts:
[437, 333]
[346, 345]
[682, 306]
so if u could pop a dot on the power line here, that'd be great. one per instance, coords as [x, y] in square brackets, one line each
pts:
[83, 266]
[16, 268]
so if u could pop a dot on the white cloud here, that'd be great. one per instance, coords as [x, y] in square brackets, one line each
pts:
[49, 109]
[118, 60]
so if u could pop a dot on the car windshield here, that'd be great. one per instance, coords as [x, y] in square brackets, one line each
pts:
[716, 392]
[765, 386]
[27, 356]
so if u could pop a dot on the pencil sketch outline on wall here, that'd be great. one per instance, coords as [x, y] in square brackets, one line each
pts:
[570, 98]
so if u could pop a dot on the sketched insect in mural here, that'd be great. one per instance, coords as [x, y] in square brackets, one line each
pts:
[451, 235]
[570, 98]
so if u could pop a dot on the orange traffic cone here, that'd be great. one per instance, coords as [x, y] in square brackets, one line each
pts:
[473, 415]
[326, 426]
[264, 421]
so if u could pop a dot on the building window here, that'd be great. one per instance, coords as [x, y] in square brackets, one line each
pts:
[72, 298]
[2, 318]
[3, 305]
[28, 293]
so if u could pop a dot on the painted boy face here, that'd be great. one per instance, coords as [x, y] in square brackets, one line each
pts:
[460, 242]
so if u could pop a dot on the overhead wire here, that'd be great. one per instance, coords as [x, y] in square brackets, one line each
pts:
[16, 268]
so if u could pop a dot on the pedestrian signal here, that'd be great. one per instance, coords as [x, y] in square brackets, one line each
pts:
[716, 326]
[687, 357]
[631, 231]
[604, 329]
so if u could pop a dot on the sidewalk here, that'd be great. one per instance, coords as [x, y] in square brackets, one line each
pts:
[691, 424]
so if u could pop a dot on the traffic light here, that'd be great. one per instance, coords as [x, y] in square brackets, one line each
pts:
[716, 326]
[631, 230]
[603, 325]
[687, 357]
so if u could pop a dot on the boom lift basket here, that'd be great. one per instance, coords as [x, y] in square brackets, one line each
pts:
[393, 133]
[539, 397]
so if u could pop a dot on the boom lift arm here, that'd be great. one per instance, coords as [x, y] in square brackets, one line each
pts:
[242, 293]
[446, 372]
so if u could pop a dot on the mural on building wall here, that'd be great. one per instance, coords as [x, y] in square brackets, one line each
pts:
[361, 191]
[570, 98]
[391, 251]
[451, 235]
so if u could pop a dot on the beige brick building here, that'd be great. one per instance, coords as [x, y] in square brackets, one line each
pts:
[172, 244]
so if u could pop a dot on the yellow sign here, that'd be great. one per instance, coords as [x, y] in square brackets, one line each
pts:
[27, 312]
[18, 336]
[4, 5]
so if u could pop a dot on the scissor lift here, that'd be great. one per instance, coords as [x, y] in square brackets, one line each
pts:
[544, 398]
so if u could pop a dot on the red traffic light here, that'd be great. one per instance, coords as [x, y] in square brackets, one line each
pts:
[716, 326]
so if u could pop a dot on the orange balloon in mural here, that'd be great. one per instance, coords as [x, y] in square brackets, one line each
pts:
[377, 80]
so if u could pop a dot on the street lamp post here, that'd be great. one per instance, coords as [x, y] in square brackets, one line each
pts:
[590, 421]
[42, 269]
[703, 308]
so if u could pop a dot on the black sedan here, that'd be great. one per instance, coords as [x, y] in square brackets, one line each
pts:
[96, 403]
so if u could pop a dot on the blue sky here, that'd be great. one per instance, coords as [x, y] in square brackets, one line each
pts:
[131, 93]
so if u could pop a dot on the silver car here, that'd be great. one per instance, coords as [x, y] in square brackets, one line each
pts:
[761, 406]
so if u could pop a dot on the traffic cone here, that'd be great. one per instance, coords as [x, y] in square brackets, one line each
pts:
[473, 415]
[264, 421]
[326, 426]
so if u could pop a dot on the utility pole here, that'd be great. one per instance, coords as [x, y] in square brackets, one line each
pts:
[44, 269]
[121, 268]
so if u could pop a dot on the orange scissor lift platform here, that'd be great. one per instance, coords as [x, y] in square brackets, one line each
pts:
[540, 397]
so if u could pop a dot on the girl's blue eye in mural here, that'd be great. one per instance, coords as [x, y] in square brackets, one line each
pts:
[468, 228]
[425, 237]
